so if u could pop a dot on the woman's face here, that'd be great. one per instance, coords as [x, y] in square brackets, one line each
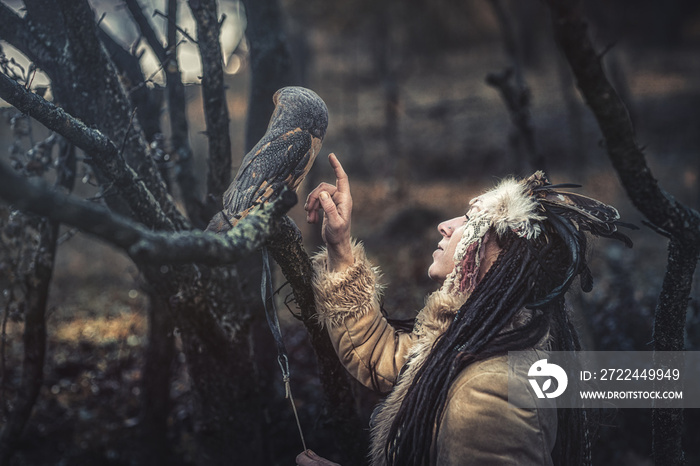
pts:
[443, 257]
[451, 231]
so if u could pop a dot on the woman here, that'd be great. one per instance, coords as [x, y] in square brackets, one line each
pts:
[504, 269]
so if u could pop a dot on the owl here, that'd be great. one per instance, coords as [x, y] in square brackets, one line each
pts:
[281, 158]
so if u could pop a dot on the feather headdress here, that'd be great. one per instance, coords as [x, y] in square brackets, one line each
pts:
[523, 207]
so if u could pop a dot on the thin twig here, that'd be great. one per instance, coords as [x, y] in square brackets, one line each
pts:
[33, 70]
[104, 194]
[128, 130]
[605, 50]
[146, 29]
[179, 29]
[658, 230]
[67, 236]
[160, 68]
[99, 21]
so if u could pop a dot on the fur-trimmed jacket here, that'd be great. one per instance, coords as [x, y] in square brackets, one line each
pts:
[479, 426]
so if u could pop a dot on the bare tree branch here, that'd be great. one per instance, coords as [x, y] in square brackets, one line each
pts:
[516, 95]
[84, 80]
[140, 243]
[214, 94]
[669, 335]
[109, 108]
[179, 128]
[156, 381]
[146, 101]
[613, 118]
[517, 99]
[681, 223]
[172, 25]
[171, 18]
[17, 32]
[34, 340]
[147, 30]
[103, 151]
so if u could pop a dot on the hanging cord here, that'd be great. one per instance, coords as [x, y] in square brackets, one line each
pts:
[274, 324]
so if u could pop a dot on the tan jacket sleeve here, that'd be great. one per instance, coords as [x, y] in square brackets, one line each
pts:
[347, 304]
[481, 428]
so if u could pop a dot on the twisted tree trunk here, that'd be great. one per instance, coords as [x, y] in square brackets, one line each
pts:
[667, 216]
[37, 285]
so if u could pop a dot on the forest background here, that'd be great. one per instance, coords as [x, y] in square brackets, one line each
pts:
[420, 131]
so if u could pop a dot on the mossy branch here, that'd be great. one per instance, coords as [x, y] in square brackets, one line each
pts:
[142, 244]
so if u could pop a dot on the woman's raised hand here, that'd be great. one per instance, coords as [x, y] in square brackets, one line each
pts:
[336, 202]
[309, 458]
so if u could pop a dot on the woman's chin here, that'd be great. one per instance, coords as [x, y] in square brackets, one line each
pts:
[434, 275]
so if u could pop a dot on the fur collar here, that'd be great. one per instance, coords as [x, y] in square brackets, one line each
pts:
[438, 313]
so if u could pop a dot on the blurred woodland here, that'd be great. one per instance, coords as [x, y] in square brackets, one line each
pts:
[429, 103]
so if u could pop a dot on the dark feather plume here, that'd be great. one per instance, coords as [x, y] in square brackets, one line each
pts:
[556, 186]
[588, 214]
[571, 215]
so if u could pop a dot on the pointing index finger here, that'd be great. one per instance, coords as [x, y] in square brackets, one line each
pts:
[341, 177]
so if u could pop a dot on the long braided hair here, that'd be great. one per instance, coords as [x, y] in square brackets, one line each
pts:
[527, 273]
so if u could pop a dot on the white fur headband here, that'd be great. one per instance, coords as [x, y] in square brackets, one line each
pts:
[508, 206]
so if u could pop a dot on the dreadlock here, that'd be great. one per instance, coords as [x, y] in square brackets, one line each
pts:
[525, 273]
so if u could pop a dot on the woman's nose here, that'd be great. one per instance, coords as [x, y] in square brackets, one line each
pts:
[445, 229]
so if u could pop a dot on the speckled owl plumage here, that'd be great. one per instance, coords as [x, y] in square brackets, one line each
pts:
[282, 157]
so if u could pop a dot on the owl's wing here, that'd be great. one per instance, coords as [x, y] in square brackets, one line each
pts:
[265, 170]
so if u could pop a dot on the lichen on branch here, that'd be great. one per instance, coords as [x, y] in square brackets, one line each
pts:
[142, 244]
